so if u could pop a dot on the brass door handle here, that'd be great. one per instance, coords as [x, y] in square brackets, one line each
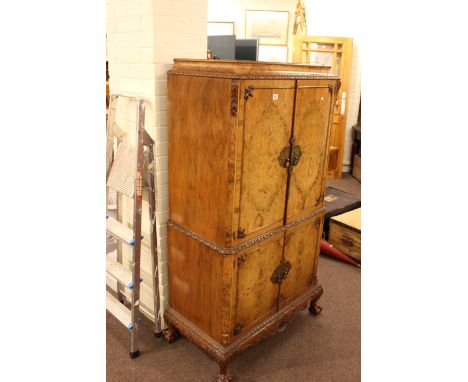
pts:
[296, 154]
[281, 272]
[284, 159]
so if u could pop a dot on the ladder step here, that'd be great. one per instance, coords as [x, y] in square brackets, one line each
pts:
[118, 271]
[120, 231]
[119, 311]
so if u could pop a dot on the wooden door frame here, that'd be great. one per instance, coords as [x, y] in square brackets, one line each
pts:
[345, 74]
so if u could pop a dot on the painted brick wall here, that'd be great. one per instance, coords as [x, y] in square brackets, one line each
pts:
[143, 37]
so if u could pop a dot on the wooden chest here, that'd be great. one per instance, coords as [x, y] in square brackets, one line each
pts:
[357, 167]
[247, 157]
[345, 233]
[337, 202]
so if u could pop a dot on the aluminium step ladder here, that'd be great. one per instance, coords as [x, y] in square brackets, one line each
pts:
[125, 174]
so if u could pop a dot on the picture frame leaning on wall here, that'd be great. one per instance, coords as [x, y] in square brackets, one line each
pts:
[270, 27]
[220, 28]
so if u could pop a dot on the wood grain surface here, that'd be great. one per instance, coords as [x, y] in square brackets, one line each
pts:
[256, 295]
[301, 249]
[199, 144]
[267, 128]
[195, 279]
[311, 133]
[242, 209]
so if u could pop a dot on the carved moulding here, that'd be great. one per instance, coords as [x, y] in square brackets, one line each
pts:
[246, 244]
[234, 94]
[224, 354]
[201, 73]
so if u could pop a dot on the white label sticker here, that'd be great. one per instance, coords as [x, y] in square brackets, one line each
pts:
[275, 97]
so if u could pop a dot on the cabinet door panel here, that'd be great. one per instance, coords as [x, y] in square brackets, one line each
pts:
[267, 127]
[302, 248]
[257, 296]
[311, 131]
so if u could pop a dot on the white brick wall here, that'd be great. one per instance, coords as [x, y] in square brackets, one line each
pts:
[143, 37]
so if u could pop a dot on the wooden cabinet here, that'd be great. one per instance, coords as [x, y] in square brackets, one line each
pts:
[248, 149]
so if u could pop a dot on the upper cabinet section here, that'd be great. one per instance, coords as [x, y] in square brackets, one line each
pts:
[247, 145]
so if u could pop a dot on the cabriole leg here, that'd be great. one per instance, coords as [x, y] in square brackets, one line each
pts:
[313, 307]
[171, 333]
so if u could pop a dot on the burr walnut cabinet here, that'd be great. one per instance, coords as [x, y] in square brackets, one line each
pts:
[248, 151]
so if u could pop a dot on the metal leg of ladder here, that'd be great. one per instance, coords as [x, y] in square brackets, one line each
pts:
[138, 199]
[154, 237]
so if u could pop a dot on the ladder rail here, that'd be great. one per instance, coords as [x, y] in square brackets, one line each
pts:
[137, 212]
[151, 184]
[142, 139]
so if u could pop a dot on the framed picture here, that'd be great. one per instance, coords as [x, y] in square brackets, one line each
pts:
[273, 53]
[220, 28]
[270, 27]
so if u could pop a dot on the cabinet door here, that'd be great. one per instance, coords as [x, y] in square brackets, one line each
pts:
[311, 133]
[302, 248]
[267, 121]
[257, 295]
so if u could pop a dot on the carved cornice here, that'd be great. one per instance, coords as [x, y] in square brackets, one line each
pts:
[246, 244]
[263, 330]
[263, 76]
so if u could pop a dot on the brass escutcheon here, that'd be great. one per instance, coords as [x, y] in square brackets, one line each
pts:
[284, 159]
[281, 272]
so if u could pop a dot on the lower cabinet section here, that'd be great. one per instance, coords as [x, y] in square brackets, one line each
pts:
[274, 272]
[226, 293]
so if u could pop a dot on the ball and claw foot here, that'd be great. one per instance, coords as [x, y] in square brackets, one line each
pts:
[315, 309]
[170, 334]
[134, 354]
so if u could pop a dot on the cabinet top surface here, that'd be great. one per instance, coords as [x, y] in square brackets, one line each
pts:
[248, 69]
